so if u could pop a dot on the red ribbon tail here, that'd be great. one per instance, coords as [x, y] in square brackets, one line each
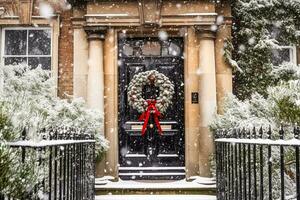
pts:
[142, 117]
[145, 122]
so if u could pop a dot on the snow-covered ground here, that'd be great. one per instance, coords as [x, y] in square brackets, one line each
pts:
[156, 197]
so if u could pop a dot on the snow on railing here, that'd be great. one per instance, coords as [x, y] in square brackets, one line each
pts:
[65, 164]
[258, 164]
[47, 143]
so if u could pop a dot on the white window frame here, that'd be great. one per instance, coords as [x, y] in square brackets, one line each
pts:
[293, 52]
[27, 56]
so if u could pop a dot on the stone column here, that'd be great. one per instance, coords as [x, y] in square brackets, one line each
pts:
[111, 103]
[191, 109]
[95, 80]
[207, 97]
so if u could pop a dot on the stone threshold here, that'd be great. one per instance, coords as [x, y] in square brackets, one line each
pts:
[199, 185]
[156, 197]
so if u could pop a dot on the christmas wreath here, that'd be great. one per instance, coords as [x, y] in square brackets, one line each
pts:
[152, 77]
[150, 106]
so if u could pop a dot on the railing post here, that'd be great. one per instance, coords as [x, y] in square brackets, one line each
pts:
[235, 167]
[261, 193]
[244, 166]
[281, 133]
[296, 134]
[270, 165]
[249, 165]
[240, 196]
[254, 165]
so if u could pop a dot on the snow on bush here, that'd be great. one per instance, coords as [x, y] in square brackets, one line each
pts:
[28, 102]
[259, 28]
[16, 178]
[280, 107]
[28, 98]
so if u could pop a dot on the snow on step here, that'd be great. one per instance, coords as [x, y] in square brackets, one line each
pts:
[197, 183]
[156, 197]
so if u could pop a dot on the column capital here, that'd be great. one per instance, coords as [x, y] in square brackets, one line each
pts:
[205, 32]
[95, 32]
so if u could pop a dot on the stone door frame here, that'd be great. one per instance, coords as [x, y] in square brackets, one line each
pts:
[191, 79]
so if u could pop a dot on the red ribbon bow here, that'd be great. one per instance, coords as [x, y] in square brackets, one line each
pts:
[146, 115]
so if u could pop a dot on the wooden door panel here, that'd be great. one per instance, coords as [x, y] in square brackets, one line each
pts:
[159, 152]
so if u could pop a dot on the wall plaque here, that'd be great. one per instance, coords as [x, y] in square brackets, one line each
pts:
[195, 97]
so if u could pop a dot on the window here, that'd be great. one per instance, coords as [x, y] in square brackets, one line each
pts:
[151, 47]
[31, 46]
[286, 53]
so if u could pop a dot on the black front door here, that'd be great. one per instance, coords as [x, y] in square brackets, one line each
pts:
[152, 156]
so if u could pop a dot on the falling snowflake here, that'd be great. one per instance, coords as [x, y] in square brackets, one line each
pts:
[242, 47]
[251, 41]
[163, 35]
[46, 10]
[124, 151]
[199, 71]
[213, 27]
[220, 20]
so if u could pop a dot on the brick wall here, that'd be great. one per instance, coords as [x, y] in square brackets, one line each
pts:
[65, 56]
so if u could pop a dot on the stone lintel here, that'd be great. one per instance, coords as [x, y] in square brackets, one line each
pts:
[205, 32]
[78, 22]
[96, 32]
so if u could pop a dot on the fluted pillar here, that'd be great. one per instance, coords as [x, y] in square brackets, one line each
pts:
[208, 98]
[95, 80]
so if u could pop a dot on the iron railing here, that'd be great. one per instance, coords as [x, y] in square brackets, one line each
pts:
[258, 164]
[67, 160]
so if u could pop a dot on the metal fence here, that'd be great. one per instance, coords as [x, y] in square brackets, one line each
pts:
[67, 162]
[251, 164]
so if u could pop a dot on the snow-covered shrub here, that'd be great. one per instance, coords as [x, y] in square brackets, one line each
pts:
[259, 27]
[16, 178]
[280, 107]
[28, 102]
[28, 98]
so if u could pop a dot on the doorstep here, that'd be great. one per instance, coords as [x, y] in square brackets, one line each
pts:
[199, 185]
[156, 197]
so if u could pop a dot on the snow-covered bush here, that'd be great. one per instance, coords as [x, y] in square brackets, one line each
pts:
[265, 95]
[259, 27]
[16, 178]
[280, 107]
[28, 102]
[28, 99]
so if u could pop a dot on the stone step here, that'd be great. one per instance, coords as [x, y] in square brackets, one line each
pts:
[155, 197]
[203, 186]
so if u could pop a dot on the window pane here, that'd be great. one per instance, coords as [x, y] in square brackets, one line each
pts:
[281, 55]
[174, 49]
[15, 42]
[151, 49]
[44, 62]
[39, 42]
[14, 60]
[127, 50]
